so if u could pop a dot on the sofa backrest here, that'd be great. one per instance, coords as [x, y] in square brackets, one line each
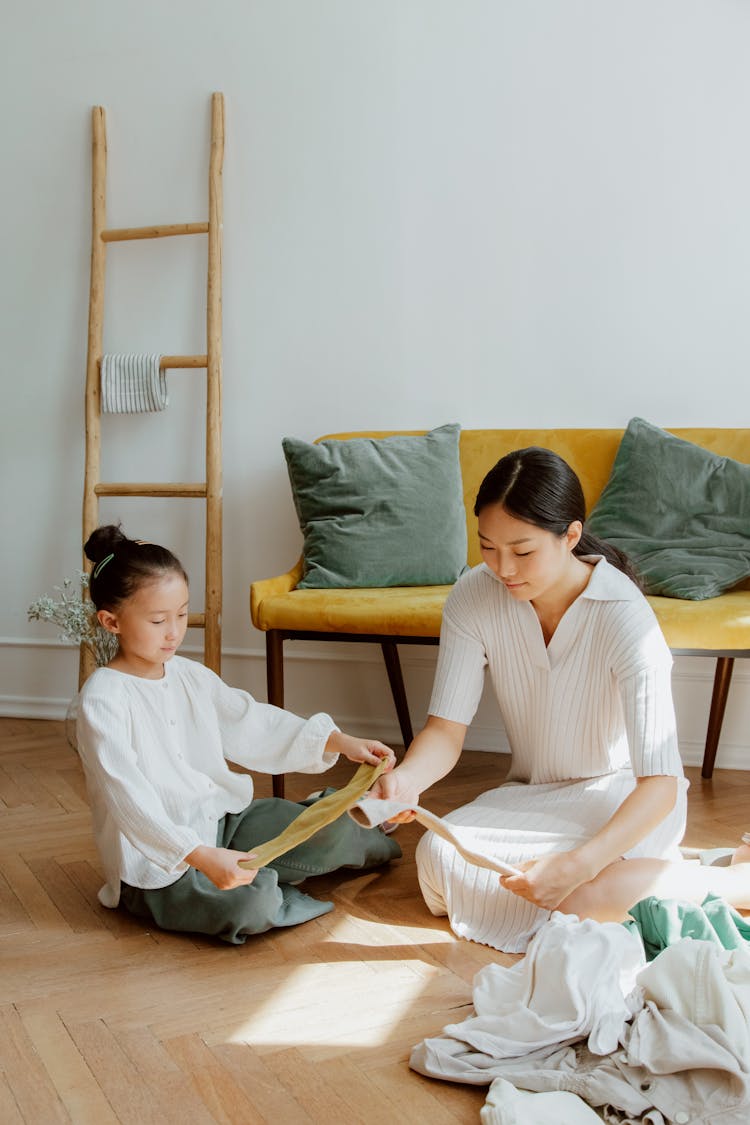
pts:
[590, 452]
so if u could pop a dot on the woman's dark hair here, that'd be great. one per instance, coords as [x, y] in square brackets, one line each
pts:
[122, 565]
[539, 487]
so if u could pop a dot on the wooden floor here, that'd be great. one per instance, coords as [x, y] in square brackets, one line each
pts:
[103, 1020]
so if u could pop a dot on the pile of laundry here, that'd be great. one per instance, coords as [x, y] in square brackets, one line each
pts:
[584, 1020]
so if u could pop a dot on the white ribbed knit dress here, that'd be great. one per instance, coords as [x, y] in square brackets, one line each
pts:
[584, 716]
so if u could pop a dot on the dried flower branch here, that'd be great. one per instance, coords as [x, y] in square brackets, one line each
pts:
[76, 618]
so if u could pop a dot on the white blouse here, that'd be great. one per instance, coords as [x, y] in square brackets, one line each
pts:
[596, 700]
[155, 754]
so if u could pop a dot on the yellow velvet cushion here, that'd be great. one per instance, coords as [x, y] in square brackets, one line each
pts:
[407, 611]
[716, 625]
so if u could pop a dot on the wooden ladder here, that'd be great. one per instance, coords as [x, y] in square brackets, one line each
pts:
[211, 488]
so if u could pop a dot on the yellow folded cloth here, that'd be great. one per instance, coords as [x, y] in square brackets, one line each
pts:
[317, 816]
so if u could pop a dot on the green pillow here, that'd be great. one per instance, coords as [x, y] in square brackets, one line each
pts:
[380, 511]
[680, 512]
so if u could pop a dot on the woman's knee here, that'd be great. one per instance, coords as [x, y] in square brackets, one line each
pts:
[428, 873]
[424, 851]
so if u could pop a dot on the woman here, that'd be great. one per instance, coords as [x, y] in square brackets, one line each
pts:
[582, 675]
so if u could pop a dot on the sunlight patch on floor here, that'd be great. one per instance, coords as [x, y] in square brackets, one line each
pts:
[349, 929]
[388, 988]
[327, 1008]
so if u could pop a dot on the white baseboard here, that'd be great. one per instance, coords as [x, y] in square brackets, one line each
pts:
[32, 707]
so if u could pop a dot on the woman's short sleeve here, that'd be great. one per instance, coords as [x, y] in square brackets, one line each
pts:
[650, 723]
[642, 667]
[462, 659]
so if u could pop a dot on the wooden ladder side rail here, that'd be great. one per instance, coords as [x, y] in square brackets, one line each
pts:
[211, 490]
[214, 486]
[92, 470]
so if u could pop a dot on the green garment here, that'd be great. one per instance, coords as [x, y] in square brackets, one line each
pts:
[661, 922]
[193, 904]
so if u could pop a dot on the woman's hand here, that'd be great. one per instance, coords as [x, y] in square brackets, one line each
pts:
[432, 754]
[396, 786]
[547, 881]
[220, 865]
[360, 749]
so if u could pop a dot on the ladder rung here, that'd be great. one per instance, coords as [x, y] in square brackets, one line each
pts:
[178, 362]
[175, 362]
[196, 621]
[164, 230]
[143, 489]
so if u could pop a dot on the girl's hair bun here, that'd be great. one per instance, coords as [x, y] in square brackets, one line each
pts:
[122, 565]
[103, 542]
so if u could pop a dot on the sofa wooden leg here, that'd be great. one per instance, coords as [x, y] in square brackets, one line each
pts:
[398, 691]
[722, 680]
[275, 686]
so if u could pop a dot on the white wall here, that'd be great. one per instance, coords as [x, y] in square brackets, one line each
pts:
[487, 212]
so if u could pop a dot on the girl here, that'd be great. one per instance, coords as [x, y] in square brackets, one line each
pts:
[155, 733]
[582, 675]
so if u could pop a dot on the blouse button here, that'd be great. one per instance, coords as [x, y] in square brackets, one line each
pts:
[681, 1117]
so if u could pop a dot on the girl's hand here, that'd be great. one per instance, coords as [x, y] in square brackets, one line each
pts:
[220, 866]
[396, 786]
[547, 881]
[360, 749]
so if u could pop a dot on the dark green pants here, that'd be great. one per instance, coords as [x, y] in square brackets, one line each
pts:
[195, 905]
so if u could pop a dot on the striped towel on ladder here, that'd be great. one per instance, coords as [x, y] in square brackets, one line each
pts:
[133, 384]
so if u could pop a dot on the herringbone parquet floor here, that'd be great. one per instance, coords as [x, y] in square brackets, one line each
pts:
[103, 1020]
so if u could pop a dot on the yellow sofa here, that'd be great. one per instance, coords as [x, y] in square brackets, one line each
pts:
[719, 627]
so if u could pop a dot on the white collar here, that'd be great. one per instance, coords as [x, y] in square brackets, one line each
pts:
[606, 584]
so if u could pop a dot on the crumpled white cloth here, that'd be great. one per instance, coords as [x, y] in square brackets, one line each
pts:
[683, 1058]
[577, 981]
[371, 811]
[703, 986]
[506, 1105]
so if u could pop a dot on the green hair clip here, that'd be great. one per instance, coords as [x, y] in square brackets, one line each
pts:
[101, 565]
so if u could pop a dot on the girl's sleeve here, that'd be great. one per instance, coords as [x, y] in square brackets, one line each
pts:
[269, 739]
[462, 659]
[116, 781]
